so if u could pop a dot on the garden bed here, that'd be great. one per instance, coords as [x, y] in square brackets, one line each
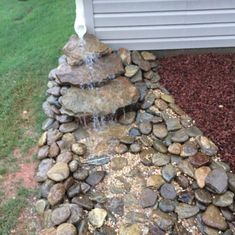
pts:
[203, 85]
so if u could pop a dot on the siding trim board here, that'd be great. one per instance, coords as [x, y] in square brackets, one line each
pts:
[162, 24]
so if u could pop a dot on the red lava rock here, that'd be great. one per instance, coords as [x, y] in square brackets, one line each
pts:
[204, 86]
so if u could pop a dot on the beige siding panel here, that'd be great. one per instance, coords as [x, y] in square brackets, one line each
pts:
[121, 6]
[164, 18]
[173, 43]
[162, 24]
[165, 31]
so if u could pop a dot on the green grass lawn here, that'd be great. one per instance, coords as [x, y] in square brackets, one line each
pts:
[32, 34]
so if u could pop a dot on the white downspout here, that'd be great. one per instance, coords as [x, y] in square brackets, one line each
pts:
[80, 22]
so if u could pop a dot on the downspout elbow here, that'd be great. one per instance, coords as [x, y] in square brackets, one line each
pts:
[80, 22]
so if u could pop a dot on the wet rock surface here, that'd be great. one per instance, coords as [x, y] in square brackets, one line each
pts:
[81, 102]
[105, 69]
[151, 172]
[77, 51]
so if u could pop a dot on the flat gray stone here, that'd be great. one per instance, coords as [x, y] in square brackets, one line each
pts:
[224, 200]
[44, 166]
[60, 215]
[160, 159]
[148, 198]
[207, 146]
[168, 172]
[179, 136]
[102, 70]
[186, 167]
[203, 196]
[217, 181]
[100, 101]
[168, 191]
[186, 211]
[167, 205]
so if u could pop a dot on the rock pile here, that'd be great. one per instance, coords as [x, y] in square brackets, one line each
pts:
[162, 178]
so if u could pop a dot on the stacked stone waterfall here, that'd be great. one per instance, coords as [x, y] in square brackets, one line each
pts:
[162, 176]
[86, 84]
[91, 81]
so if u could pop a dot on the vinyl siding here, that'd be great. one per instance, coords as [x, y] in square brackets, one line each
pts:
[162, 24]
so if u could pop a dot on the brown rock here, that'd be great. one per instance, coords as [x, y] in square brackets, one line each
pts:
[213, 218]
[125, 56]
[137, 59]
[54, 150]
[77, 54]
[148, 55]
[66, 229]
[175, 148]
[101, 101]
[155, 181]
[42, 140]
[56, 194]
[201, 174]
[199, 159]
[103, 69]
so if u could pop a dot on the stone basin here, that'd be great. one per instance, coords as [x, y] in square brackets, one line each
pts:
[77, 50]
[103, 69]
[99, 101]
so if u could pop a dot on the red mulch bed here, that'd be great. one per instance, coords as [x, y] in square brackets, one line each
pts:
[204, 86]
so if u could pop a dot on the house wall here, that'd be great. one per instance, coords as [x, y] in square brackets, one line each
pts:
[162, 24]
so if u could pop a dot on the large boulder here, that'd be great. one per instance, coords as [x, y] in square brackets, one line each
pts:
[101, 70]
[100, 101]
[77, 51]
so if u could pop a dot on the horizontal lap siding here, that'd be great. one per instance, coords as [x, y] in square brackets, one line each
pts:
[164, 24]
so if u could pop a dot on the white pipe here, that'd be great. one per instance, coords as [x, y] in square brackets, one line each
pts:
[80, 23]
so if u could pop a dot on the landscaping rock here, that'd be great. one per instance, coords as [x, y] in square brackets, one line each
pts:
[82, 102]
[79, 149]
[167, 205]
[127, 118]
[145, 128]
[131, 70]
[201, 174]
[97, 217]
[186, 211]
[160, 159]
[60, 215]
[95, 177]
[148, 198]
[224, 200]
[43, 168]
[56, 194]
[59, 172]
[213, 218]
[217, 181]
[160, 131]
[167, 191]
[168, 172]
[163, 220]
[207, 146]
[155, 181]
[66, 229]
[199, 159]
[203, 196]
[186, 167]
